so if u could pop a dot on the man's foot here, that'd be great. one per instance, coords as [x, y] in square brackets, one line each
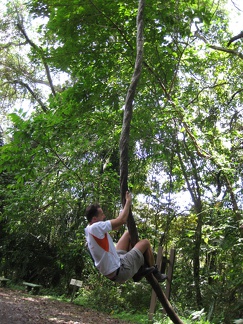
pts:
[158, 275]
[142, 272]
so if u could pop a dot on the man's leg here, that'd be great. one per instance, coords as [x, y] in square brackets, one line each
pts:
[124, 242]
[145, 247]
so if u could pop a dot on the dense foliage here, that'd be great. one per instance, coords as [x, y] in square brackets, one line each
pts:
[65, 69]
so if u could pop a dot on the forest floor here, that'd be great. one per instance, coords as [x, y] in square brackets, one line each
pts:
[18, 307]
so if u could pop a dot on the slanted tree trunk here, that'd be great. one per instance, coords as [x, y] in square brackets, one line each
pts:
[124, 150]
[194, 191]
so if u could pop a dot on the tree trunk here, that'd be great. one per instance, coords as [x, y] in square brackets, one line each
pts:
[196, 253]
[124, 150]
[194, 191]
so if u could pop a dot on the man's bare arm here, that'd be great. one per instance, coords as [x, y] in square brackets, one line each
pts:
[122, 218]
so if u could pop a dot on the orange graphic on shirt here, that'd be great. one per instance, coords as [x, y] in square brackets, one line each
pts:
[103, 243]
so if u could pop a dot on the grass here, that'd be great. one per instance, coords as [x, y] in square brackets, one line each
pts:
[136, 317]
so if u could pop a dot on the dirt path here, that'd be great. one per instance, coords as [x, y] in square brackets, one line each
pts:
[19, 308]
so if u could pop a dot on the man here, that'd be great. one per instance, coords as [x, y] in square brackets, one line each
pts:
[121, 262]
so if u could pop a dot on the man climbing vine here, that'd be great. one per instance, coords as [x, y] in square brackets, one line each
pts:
[124, 149]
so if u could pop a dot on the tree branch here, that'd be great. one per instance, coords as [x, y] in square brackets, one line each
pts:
[25, 85]
[226, 50]
[198, 35]
[39, 50]
[235, 38]
[127, 117]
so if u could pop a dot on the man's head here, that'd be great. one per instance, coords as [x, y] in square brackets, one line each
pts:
[94, 213]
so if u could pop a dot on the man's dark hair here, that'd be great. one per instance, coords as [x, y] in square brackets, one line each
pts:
[92, 211]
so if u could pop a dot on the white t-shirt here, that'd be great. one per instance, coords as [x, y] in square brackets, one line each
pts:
[101, 247]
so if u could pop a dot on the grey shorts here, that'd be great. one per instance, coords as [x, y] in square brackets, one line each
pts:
[130, 263]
